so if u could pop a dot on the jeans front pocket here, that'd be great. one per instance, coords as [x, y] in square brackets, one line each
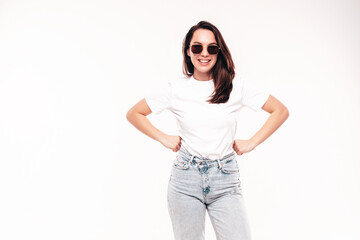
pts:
[181, 163]
[230, 166]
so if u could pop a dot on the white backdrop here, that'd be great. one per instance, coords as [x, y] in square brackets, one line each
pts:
[73, 167]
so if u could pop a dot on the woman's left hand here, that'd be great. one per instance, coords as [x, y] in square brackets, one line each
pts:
[243, 146]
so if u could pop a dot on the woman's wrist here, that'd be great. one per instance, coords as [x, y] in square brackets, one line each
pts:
[254, 143]
[160, 137]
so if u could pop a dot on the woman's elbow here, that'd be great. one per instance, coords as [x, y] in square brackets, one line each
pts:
[129, 114]
[285, 112]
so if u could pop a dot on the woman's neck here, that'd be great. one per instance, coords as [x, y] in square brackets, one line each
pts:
[202, 76]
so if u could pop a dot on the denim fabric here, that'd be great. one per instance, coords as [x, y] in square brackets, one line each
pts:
[197, 185]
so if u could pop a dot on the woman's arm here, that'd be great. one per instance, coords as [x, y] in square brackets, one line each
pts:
[137, 117]
[279, 113]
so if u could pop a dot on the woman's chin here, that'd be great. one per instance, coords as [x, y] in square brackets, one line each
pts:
[204, 69]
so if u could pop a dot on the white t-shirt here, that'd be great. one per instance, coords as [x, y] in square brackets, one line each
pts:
[206, 130]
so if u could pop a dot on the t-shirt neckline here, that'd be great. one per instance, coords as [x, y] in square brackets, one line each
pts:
[205, 81]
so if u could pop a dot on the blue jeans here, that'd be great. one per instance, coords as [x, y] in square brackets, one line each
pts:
[196, 185]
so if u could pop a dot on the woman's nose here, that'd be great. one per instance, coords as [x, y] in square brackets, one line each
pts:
[204, 52]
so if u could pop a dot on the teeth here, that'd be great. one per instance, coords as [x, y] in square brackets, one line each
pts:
[204, 61]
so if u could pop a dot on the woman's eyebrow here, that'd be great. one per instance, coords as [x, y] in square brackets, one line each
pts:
[209, 43]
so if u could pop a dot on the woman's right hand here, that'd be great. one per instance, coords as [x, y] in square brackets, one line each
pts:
[171, 141]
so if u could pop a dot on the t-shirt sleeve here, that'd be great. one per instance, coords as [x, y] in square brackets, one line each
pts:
[253, 96]
[159, 98]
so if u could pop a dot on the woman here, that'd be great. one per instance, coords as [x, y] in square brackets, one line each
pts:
[205, 102]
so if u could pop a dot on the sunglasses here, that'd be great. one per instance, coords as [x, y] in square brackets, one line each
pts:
[212, 49]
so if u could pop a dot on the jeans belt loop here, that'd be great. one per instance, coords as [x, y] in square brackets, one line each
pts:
[219, 163]
[191, 159]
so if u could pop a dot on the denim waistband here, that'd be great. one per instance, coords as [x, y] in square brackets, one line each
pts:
[191, 157]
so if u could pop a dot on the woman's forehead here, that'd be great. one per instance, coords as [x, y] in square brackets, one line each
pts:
[203, 36]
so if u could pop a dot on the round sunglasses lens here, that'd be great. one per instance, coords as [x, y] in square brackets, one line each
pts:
[196, 49]
[213, 49]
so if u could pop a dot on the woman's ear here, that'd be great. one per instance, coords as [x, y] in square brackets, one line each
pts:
[188, 52]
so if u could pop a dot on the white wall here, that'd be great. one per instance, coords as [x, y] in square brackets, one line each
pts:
[73, 167]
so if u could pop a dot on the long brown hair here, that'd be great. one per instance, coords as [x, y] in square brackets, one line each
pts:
[223, 72]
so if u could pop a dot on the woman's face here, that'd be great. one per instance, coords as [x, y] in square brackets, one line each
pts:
[201, 69]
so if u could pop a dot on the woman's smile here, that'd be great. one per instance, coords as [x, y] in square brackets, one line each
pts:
[204, 62]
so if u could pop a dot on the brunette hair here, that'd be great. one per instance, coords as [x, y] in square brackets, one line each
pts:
[222, 72]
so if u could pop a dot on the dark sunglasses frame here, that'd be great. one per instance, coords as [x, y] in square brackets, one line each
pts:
[198, 48]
